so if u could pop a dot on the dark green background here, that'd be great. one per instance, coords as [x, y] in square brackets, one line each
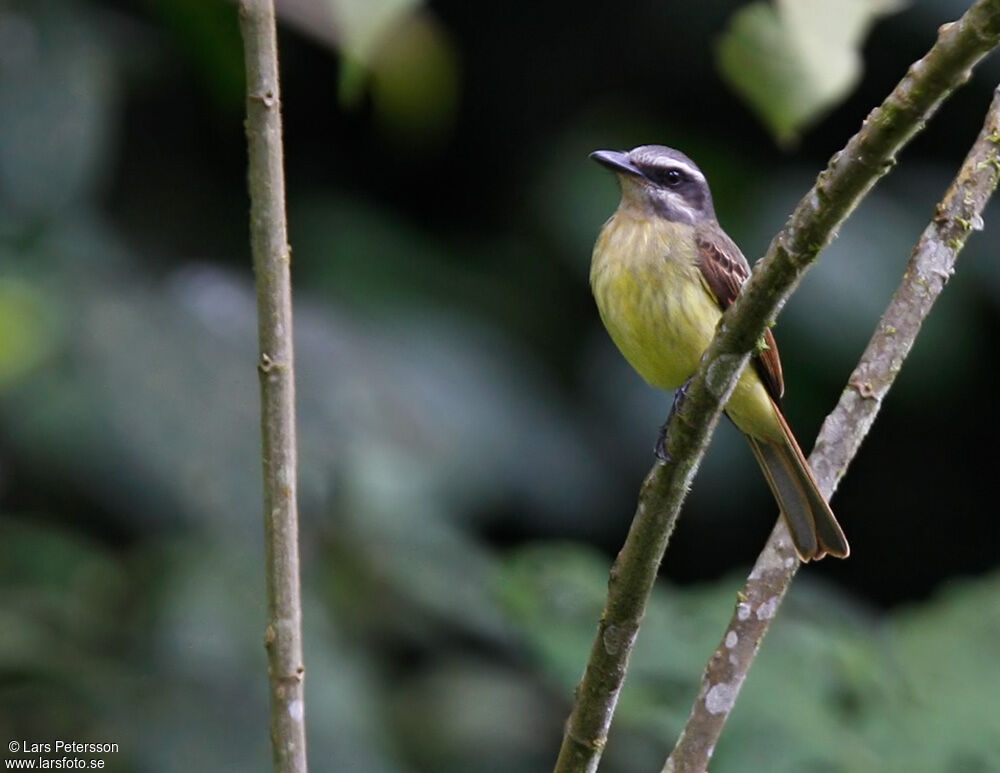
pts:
[471, 443]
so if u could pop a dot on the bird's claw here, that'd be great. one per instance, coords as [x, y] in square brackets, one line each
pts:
[660, 449]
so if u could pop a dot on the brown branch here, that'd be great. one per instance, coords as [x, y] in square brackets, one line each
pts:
[931, 265]
[271, 258]
[850, 174]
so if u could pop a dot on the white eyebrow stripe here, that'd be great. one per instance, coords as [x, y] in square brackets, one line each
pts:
[662, 159]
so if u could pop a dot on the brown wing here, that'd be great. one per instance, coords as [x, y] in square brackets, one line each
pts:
[724, 270]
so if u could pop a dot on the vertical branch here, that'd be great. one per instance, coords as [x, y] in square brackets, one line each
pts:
[271, 258]
[931, 265]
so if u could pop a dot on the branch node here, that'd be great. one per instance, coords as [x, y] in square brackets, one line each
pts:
[267, 365]
[591, 744]
[614, 638]
[947, 272]
[293, 679]
[267, 99]
[864, 388]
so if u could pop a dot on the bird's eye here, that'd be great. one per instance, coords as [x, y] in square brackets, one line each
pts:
[669, 178]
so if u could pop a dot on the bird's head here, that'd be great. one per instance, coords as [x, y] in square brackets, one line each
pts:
[659, 180]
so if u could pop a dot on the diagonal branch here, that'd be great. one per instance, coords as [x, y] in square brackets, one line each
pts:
[850, 174]
[271, 257]
[931, 265]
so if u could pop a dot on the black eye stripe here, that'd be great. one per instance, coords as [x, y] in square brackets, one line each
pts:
[669, 176]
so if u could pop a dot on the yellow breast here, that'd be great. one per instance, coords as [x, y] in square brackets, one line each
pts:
[655, 304]
[651, 296]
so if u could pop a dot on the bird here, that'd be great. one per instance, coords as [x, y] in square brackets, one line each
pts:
[662, 272]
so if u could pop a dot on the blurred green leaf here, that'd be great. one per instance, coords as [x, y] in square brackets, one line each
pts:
[360, 27]
[554, 594]
[361, 24]
[27, 329]
[947, 652]
[395, 50]
[791, 60]
[415, 86]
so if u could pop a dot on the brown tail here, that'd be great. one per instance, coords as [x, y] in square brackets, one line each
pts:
[814, 529]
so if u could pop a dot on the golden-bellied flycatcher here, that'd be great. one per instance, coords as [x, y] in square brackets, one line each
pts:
[663, 271]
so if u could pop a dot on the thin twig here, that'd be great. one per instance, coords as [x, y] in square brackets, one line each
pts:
[931, 265]
[851, 173]
[271, 257]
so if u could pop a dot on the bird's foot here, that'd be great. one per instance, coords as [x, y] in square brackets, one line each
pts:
[660, 449]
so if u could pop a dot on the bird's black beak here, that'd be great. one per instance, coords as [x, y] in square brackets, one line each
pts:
[617, 162]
